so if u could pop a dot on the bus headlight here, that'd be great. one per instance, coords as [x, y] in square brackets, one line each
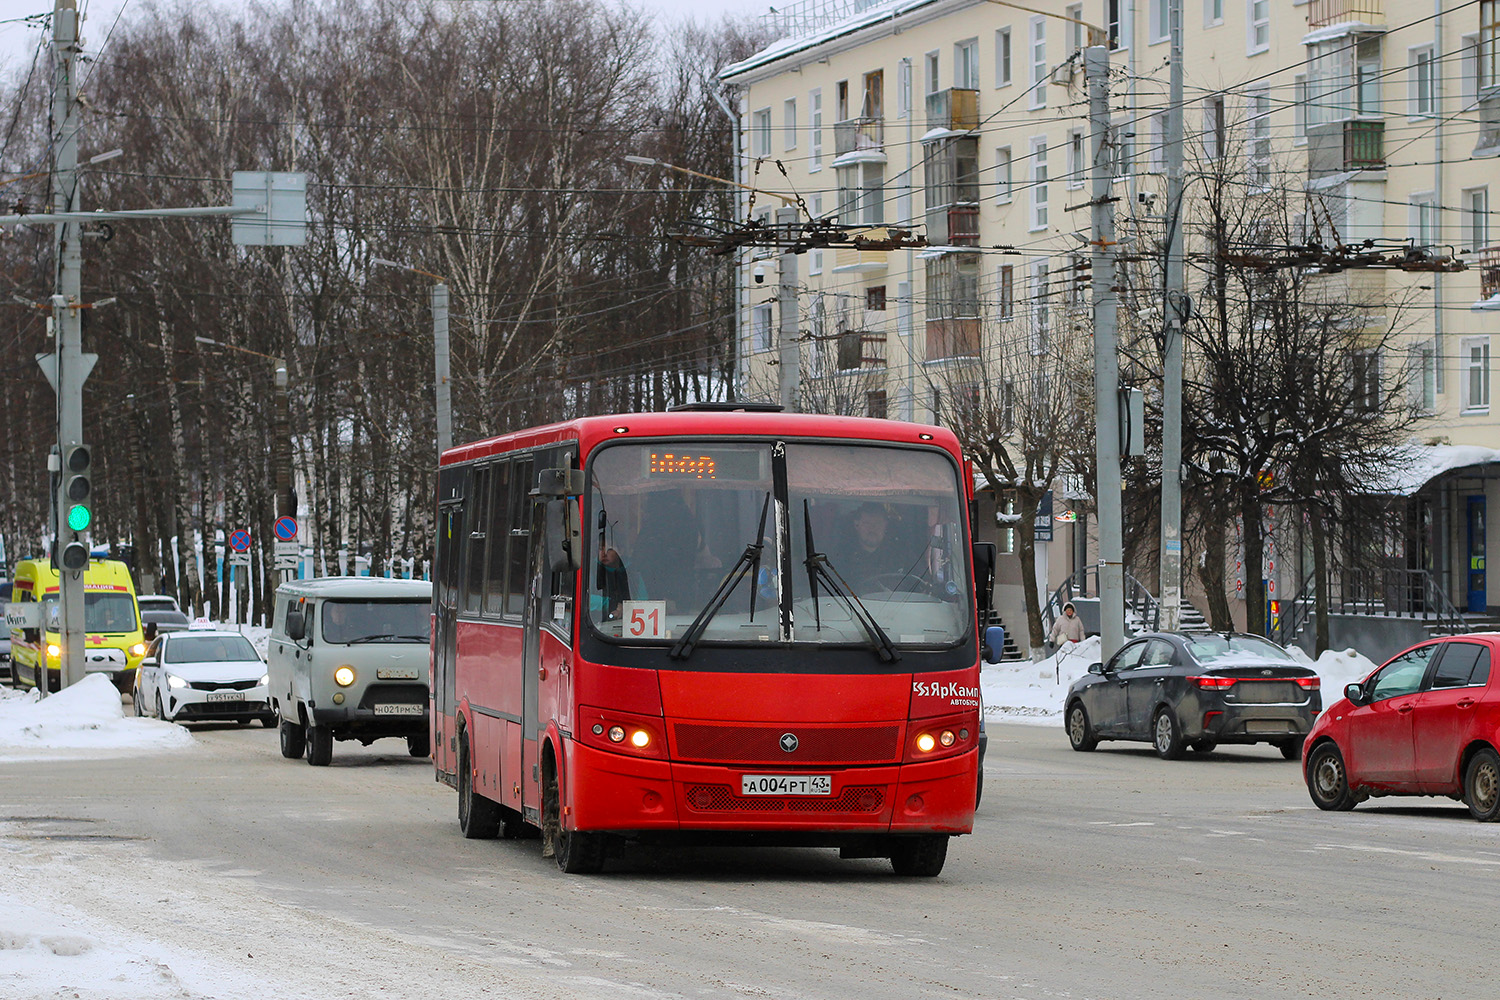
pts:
[925, 742]
[640, 739]
[344, 676]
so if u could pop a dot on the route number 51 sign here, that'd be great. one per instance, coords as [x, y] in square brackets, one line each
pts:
[644, 619]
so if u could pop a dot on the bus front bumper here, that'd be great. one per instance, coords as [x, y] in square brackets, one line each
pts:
[617, 792]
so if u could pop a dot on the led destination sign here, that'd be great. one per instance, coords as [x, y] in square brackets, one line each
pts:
[735, 463]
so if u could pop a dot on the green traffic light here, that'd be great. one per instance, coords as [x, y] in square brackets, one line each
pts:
[79, 517]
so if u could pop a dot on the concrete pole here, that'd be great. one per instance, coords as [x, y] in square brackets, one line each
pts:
[789, 356]
[1106, 364]
[443, 382]
[1174, 310]
[69, 371]
[286, 505]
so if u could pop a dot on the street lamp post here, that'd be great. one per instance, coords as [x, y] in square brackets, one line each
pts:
[443, 380]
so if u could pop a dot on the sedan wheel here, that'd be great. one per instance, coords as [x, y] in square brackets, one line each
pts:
[1482, 786]
[1080, 734]
[1328, 779]
[1166, 735]
[161, 712]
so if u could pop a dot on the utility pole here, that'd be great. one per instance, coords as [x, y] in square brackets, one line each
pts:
[1175, 313]
[1106, 363]
[286, 501]
[789, 355]
[69, 365]
[443, 383]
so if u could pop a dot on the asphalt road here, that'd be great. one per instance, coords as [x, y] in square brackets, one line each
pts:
[1110, 875]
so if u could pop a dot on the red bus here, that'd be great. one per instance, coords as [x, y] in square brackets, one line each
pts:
[710, 624]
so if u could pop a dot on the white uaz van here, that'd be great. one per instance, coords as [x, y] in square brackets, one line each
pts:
[348, 660]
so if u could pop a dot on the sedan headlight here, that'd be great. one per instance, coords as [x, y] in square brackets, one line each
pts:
[344, 676]
[173, 681]
[265, 680]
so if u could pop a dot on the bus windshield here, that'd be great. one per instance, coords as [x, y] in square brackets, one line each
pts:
[673, 526]
[103, 611]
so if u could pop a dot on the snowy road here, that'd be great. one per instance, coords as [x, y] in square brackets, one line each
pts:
[222, 870]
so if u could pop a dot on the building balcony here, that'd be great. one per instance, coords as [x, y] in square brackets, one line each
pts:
[1488, 143]
[1322, 13]
[1336, 147]
[858, 134]
[851, 260]
[952, 338]
[1488, 262]
[953, 226]
[955, 108]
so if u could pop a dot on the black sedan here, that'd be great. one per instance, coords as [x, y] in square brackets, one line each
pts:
[1195, 689]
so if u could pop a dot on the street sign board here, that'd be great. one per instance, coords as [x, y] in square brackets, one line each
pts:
[23, 614]
[287, 561]
[282, 202]
[239, 540]
[286, 528]
[239, 559]
[288, 549]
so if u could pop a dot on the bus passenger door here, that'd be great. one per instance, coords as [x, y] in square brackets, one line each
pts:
[444, 636]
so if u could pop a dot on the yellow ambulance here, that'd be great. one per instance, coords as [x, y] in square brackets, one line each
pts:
[113, 641]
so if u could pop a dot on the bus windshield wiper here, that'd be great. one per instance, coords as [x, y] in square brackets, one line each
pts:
[819, 568]
[748, 564]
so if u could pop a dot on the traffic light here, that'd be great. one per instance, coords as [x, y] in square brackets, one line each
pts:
[78, 506]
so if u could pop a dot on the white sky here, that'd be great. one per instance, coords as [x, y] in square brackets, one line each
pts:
[18, 40]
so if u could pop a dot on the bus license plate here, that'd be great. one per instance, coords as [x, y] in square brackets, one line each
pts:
[398, 709]
[786, 784]
[225, 696]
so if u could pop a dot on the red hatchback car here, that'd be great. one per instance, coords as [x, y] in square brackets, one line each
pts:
[1425, 723]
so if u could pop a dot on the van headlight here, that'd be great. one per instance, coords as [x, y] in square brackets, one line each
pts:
[139, 649]
[344, 676]
[173, 681]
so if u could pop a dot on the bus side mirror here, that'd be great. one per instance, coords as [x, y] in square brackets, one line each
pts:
[296, 626]
[555, 484]
[994, 644]
[984, 577]
[571, 557]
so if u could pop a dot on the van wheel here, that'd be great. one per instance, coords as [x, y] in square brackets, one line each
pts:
[478, 817]
[319, 745]
[293, 740]
[419, 746]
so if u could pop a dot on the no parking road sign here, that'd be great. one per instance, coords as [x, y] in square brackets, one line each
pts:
[239, 540]
[286, 528]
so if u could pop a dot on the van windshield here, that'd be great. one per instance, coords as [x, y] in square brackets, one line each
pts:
[103, 611]
[376, 621]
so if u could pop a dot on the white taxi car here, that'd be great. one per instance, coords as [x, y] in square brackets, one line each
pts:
[203, 675]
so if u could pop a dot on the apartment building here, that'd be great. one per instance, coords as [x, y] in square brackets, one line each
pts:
[965, 121]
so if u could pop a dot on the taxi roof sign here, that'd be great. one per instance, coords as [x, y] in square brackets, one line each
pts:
[200, 624]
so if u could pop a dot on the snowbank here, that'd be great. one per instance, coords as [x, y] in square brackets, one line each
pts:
[1033, 692]
[86, 716]
[47, 955]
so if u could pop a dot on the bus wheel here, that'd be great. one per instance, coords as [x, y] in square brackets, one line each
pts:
[293, 739]
[921, 855]
[576, 853]
[478, 817]
[319, 745]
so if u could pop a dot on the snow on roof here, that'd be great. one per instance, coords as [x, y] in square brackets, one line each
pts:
[786, 46]
[1415, 466]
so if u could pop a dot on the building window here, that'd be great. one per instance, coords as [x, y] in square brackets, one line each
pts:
[815, 127]
[1074, 14]
[1476, 209]
[1038, 183]
[862, 194]
[1489, 43]
[931, 81]
[1005, 292]
[1367, 77]
[1364, 379]
[1475, 353]
[1258, 151]
[873, 106]
[1423, 217]
[875, 404]
[875, 298]
[1214, 134]
[1115, 13]
[1257, 26]
[1213, 13]
[1299, 109]
[1002, 175]
[1041, 308]
[952, 306]
[760, 133]
[903, 89]
[1343, 78]
[1039, 62]
[789, 123]
[966, 65]
[1424, 377]
[1156, 156]
[1420, 89]
[815, 257]
[1077, 162]
[1468, 69]
[1160, 29]
[761, 327]
[1002, 58]
[1006, 517]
